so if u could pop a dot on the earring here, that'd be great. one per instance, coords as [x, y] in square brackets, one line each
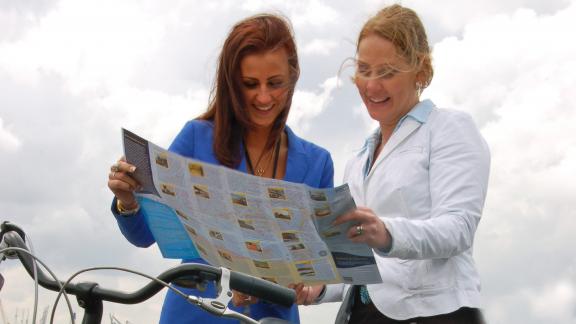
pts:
[418, 86]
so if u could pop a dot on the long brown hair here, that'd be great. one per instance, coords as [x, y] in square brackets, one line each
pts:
[256, 34]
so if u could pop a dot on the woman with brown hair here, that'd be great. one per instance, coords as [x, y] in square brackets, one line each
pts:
[244, 128]
[420, 182]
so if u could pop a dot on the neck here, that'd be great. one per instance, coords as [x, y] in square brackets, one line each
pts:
[257, 138]
[262, 156]
[388, 127]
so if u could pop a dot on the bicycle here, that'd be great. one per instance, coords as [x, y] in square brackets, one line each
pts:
[90, 295]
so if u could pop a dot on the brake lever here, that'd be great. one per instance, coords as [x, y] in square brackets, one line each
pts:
[224, 291]
[219, 305]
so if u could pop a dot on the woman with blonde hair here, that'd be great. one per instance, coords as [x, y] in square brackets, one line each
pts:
[420, 182]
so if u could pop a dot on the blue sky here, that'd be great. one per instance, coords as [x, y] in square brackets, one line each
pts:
[73, 72]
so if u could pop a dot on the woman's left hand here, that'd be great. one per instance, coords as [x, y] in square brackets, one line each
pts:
[367, 228]
[240, 299]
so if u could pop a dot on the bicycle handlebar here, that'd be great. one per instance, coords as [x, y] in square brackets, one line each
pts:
[196, 272]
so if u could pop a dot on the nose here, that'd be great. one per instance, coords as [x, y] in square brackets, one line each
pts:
[372, 84]
[263, 96]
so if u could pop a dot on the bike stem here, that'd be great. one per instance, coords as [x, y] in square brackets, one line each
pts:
[92, 304]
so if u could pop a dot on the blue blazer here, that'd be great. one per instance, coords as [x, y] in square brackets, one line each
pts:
[306, 163]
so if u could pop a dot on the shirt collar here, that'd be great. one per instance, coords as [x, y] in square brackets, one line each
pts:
[419, 113]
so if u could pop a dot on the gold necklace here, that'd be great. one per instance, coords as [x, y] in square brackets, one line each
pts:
[257, 169]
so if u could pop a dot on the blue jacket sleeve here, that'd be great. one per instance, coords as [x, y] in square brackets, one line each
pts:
[134, 227]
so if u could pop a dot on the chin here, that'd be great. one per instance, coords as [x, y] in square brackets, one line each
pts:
[260, 125]
[375, 114]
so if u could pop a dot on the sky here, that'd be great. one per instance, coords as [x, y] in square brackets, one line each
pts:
[73, 72]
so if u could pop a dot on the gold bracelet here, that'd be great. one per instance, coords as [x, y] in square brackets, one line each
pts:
[123, 211]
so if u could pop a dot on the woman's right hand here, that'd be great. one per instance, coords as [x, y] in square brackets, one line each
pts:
[306, 295]
[122, 184]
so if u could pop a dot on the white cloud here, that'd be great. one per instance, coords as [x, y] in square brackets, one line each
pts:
[453, 15]
[302, 13]
[323, 47]
[308, 104]
[315, 13]
[556, 303]
[86, 42]
[8, 141]
[148, 111]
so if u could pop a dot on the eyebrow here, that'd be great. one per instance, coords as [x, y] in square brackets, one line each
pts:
[270, 78]
[378, 66]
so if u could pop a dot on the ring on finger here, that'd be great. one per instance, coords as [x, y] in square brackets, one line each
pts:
[359, 230]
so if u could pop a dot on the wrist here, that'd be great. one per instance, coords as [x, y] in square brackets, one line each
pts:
[129, 209]
[386, 246]
[320, 295]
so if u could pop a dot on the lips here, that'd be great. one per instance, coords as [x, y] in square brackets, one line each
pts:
[378, 100]
[264, 108]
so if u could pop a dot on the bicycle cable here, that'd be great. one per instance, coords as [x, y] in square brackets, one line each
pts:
[31, 248]
[8, 249]
[165, 284]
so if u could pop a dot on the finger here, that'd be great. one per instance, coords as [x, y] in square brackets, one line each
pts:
[300, 288]
[352, 234]
[237, 298]
[345, 218]
[236, 301]
[307, 296]
[296, 287]
[300, 294]
[117, 181]
[128, 179]
[126, 167]
[121, 176]
[118, 186]
[240, 299]
[122, 166]
[358, 215]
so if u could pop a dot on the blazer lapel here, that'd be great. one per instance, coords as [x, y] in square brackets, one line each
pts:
[296, 166]
[407, 128]
[346, 307]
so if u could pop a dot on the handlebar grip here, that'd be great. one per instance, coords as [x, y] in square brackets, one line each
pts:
[262, 289]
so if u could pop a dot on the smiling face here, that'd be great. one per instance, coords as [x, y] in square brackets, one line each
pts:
[265, 81]
[384, 80]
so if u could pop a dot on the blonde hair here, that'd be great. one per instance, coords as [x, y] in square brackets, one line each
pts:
[404, 29]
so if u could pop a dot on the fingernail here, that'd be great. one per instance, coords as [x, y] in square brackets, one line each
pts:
[132, 168]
